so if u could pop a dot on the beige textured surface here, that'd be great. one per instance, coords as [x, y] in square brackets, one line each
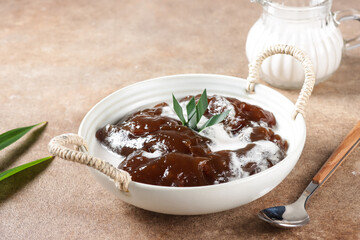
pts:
[81, 51]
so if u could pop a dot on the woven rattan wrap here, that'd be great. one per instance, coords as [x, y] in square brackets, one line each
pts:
[254, 73]
[57, 147]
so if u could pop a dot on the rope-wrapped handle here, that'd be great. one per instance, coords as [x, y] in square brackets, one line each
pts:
[57, 147]
[254, 71]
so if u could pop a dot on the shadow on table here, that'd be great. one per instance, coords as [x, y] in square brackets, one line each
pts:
[14, 183]
[12, 155]
[239, 223]
[343, 82]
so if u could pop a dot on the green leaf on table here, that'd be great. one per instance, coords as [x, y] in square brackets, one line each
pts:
[13, 135]
[15, 170]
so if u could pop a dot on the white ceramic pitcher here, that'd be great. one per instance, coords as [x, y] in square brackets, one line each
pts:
[308, 24]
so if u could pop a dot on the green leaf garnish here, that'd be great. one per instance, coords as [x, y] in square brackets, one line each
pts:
[214, 120]
[196, 111]
[12, 171]
[178, 110]
[191, 108]
[191, 112]
[201, 106]
[13, 135]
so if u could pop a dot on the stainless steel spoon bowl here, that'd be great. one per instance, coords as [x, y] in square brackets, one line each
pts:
[295, 215]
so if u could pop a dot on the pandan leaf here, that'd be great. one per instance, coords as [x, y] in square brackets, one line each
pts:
[15, 170]
[201, 106]
[178, 110]
[214, 120]
[191, 112]
[13, 135]
[196, 111]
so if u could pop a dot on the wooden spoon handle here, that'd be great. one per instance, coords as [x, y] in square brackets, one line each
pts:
[337, 157]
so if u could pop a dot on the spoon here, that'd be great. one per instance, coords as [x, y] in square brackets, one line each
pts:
[295, 215]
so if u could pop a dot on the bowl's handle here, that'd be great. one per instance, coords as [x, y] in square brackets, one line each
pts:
[254, 71]
[57, 147]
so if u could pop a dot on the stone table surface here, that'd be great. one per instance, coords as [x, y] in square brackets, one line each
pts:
[59, 58]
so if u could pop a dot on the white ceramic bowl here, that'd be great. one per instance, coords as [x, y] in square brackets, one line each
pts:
[204, 199]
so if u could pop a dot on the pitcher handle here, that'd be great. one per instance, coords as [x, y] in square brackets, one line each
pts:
[254, 72]
[346, 15]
